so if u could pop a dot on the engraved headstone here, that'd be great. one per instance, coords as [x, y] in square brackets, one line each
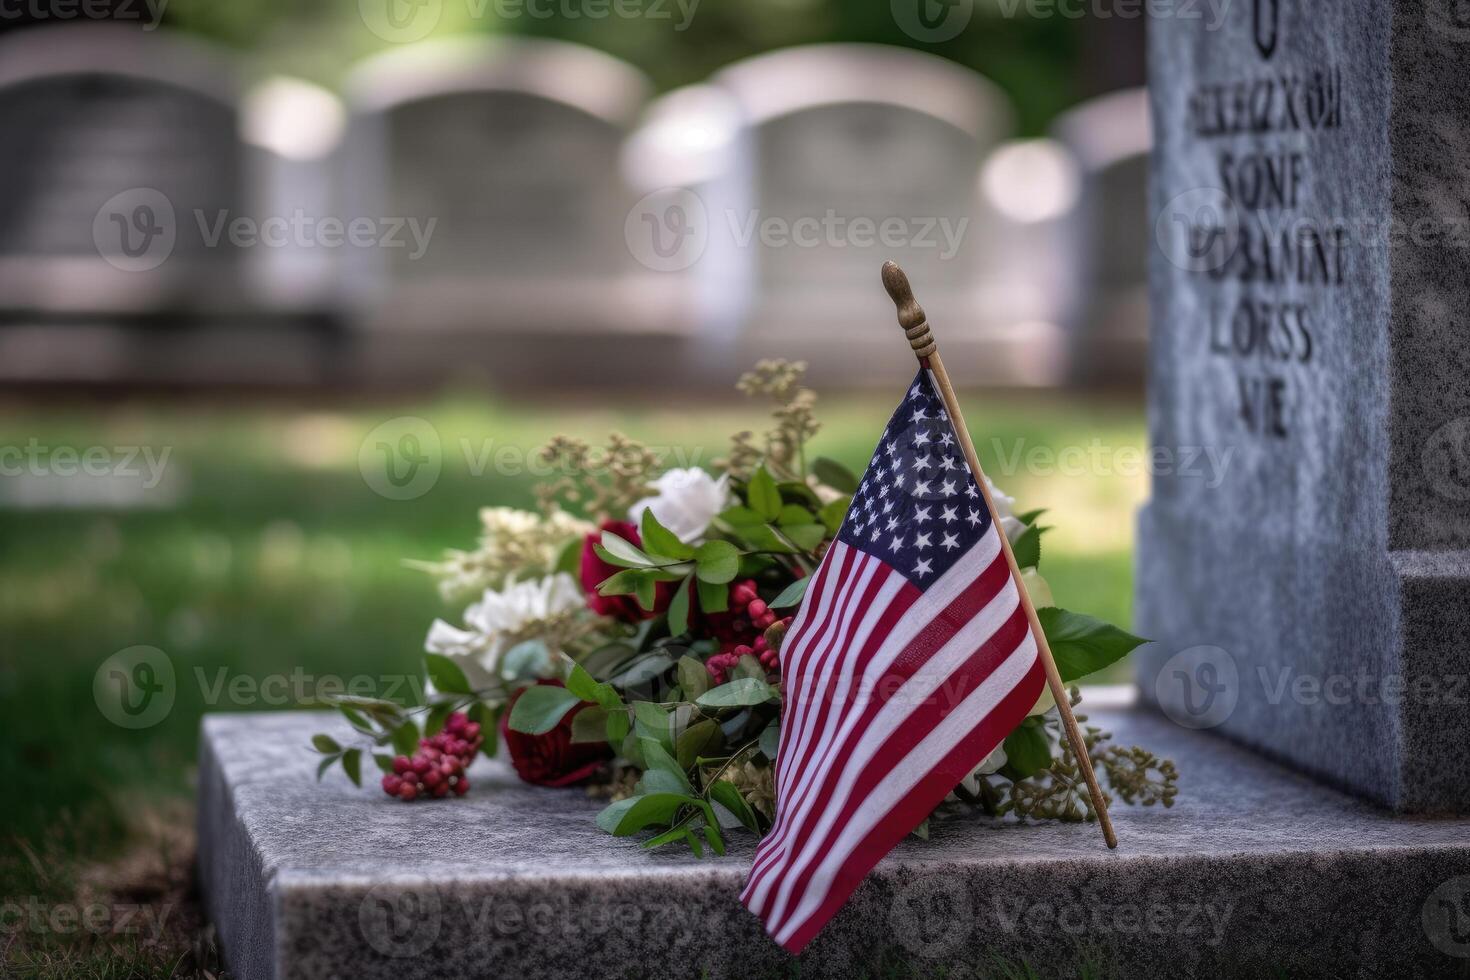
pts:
[1303, 562]
[505, 154]
[1108, 237]
[857, 154]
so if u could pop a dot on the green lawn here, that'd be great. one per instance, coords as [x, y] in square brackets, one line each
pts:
[280, 560]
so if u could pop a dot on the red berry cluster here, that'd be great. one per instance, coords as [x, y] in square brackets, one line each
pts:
[438, 767]
[750, 617]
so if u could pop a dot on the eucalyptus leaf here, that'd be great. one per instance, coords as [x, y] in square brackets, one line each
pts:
[716, 562]
[617, 551]
[524, 661]
[791, 595]
[325, 744]
[693, 677]
[679, 608]
[714, 597]
[590, 725]
[405, 738]
[770, 740]
[737, 693]
[702, 739]
[352, 765]
[541, 708]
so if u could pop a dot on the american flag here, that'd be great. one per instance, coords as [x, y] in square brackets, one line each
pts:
[910, 660]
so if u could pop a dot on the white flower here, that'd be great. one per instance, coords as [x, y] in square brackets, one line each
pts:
[1005, 510]
[992, 763]
[686, 502]
[499, 618]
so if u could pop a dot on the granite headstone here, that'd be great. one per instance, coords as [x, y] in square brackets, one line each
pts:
[1303, 563]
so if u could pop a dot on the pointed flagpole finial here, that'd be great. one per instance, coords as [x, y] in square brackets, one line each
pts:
[910, 314]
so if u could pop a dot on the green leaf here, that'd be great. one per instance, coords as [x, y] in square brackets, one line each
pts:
[738, 693]
[446, 674]
[1027, 548]
[713, 596]
[352, 765]
[832, 514]
[1081, 644]
[748, 666]
[580, 683]
[481, 715]
[667, 837]
[701, 739]
[641, 669]
[406, 738]
[1028, 751]
[1031, 515]
[625, 582]
[355, 719]
[770, 740]
[763, 496]
[727, 796]
[438, 715]
[659, 540]
[716, 562]
[590, 725]
[384, 761]
[679, 608]
[806, 537]
[325, 744]
[791, 595]
[541, 708]
[633, 814]
[617, 727]
[659, 760]
[716, 842]
[524, 661]
[647, 592]
[326, 764]
[616, 551]
[693, 677]
[835, 475]
[793, 514]
[569, 559]
[605, 660]
[653, 721]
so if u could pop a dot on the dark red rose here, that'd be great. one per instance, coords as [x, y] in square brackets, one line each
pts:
[552, 759]
[595, 571]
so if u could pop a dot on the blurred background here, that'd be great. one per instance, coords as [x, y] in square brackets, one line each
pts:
[288, 291]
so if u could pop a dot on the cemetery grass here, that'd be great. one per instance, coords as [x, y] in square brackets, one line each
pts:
[278, 567]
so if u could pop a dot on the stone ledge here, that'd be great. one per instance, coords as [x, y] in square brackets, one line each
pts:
[1255, 871]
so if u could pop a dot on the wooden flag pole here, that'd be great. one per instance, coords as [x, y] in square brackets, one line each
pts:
[916, 326]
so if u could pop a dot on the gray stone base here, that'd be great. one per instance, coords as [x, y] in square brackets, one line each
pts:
[1256, 871]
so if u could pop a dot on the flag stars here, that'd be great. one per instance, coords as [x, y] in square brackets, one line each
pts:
[898, 480]
[921, 488]
[892, 523]
[922, 462]
[897, 542]
[971, 492]
[918, 416]
[923, 568]
[922, 541]
[946, 440]
[921, 515]
[950, 542]
[948, 514]
[973, 518]
[948, 488]
[921, 438]
[946, 463]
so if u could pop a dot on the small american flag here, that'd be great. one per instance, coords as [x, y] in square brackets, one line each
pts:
[910, 660]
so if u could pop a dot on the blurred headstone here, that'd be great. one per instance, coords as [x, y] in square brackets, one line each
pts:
[857, 154]
[1107, 236]
[501, 158]
[1303, 563]
[125, 176]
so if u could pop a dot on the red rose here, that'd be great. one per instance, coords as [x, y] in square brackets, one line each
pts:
[552, 759]
[595, 571]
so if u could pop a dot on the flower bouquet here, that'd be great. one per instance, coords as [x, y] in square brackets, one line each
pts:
[628, 638]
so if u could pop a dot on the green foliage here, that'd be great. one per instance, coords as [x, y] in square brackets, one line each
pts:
[1082, 645]
[541, 708]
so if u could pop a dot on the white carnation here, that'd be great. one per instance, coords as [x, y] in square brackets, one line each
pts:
[499, 620]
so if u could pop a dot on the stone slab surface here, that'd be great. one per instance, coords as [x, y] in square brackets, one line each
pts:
[1255, 871]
